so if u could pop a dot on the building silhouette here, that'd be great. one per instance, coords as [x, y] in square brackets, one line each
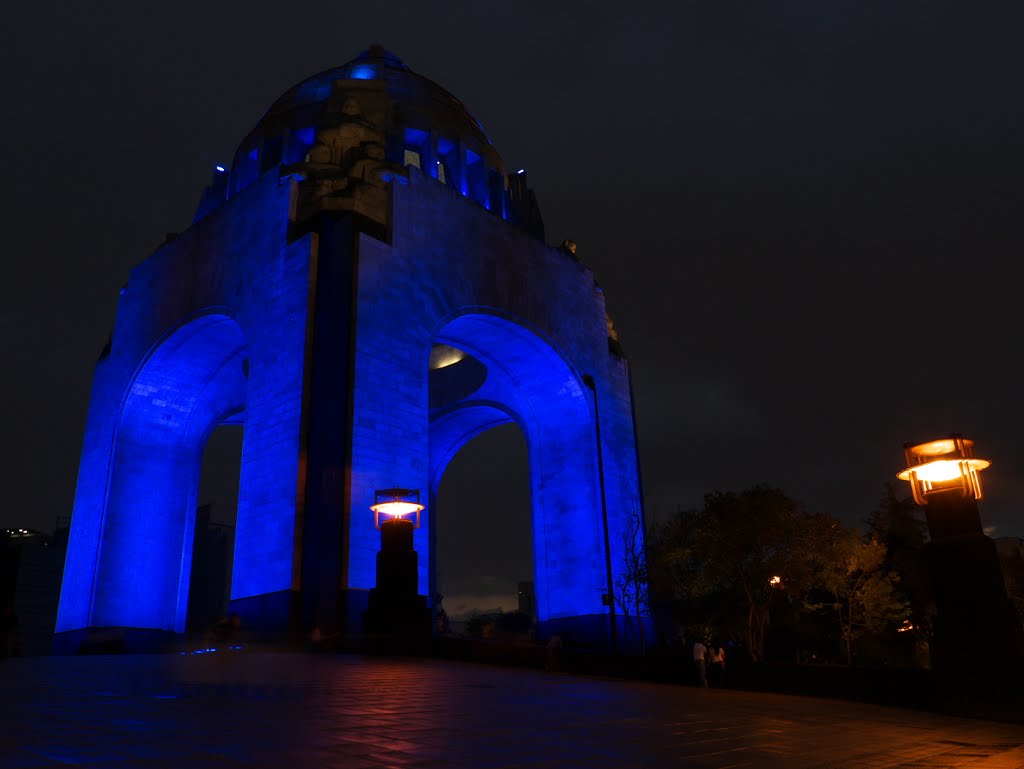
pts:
[31, 567]
[527, 599]
[210, 581]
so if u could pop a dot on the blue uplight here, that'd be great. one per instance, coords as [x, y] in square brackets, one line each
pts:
[220, 169]
[416, 137]
[521, 171]
[363, 72]
[388, 176]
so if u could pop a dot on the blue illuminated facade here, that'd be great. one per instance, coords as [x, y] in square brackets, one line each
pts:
[364, 290]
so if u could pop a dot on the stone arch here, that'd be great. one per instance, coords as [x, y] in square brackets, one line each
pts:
[529, 381]
[193, 380]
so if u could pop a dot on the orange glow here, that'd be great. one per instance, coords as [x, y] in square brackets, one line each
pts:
[905, 626]
[937, 448]
[395, 503]
[937, 466]
[943, 469]
[396, 509]
[774, 581]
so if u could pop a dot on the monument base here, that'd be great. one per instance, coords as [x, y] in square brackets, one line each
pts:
[116, 640]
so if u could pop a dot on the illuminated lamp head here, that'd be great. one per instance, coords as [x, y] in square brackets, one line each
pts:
[395, 504]
[941, 466]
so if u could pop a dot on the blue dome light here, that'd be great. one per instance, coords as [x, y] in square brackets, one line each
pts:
[364, 72]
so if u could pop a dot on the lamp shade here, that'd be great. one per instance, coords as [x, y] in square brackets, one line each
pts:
[943, 465]
[395, 504]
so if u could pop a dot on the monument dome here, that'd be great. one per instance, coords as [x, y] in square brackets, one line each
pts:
[351, 130]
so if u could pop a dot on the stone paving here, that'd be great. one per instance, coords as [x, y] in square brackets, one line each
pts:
[290, 710]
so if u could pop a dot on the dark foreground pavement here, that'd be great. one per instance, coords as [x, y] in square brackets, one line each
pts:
[285, 710]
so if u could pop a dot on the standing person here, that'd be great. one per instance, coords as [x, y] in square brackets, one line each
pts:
[699, 653]
[716, 671]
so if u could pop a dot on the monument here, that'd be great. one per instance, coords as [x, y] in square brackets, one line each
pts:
[364, 289]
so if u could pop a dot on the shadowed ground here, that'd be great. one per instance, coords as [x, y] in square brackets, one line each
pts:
[284, 710]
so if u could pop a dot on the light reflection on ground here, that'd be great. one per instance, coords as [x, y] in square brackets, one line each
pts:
[283, 710]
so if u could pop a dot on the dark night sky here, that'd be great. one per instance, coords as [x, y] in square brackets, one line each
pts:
[805, 215]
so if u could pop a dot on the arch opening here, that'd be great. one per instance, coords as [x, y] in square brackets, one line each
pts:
[527, 382]
[483, 534]
[213, 545]
[194, 381]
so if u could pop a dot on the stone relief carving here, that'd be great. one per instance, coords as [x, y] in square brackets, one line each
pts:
[347, 169]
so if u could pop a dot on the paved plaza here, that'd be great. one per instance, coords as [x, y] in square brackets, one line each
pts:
[291, 710]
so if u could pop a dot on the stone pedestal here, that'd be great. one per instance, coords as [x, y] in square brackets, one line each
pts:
[978, 644]
[395, 608]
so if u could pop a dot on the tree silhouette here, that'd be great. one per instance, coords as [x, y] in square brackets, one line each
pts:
[738, 542]
[631, 583]
[898, 523]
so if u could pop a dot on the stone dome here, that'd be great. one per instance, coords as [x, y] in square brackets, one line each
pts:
[419, 103]
[360, 126]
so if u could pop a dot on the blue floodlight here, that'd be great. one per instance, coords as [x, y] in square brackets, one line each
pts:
[363, 72]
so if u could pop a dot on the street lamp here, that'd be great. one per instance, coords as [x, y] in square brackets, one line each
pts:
[967, 580]
[395, 608]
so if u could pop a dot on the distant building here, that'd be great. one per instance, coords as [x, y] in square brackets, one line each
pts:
[1010, 547]
[1011, 560]
[210, 584]
[31, 567]
[527, 599]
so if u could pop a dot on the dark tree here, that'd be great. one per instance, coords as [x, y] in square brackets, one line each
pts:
[898, 523]
[863, 592]
[738, 544]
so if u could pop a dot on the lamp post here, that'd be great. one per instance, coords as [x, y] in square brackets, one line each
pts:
[976, 645]
[395, 608]
[609, 597]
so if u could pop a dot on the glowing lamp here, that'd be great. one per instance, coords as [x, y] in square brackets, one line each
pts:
[394, 504]
[775, 581]
[947, 464]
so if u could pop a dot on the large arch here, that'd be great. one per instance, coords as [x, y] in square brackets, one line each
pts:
[528, 381]
[193, 381]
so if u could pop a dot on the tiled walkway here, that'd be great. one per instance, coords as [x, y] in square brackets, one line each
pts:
[281, 710]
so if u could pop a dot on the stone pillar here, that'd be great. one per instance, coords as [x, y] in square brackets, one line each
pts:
[395, 606]
[978, 645]
[428, 156]
[457, 169]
